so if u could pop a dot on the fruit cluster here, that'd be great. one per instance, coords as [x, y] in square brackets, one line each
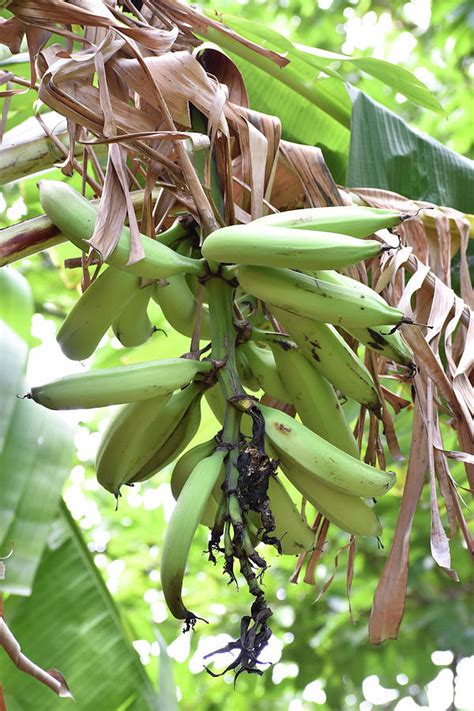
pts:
[268, 299]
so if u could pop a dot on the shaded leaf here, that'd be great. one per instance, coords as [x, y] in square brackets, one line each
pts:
[385, 152]
[166, 687]
[13, 355]
[34, 464]
[71, 620]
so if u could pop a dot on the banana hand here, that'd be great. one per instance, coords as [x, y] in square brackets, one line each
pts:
[330, 355]
[167, 450]
[94, 312]
[347, 512]
[136, 432]
[314, 398]
[182, 471]
[262, 364]
[75, 217]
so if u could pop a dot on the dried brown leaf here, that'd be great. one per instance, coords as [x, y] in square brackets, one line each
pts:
[315, 557]
[426, 360]
[11, 33]
[350, 575]
[115, 203]
[389, 599]
[439, 541]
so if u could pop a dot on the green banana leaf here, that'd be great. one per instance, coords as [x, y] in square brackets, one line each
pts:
[36, 449]
[386, 153]
[13, 356]
[17, 303]
[70, 621]
[34, 465]
[304, 60]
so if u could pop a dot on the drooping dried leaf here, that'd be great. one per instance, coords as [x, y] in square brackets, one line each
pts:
[389, 599]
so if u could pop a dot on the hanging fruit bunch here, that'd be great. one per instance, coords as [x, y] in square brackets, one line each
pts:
[271, 304]
[252, 252]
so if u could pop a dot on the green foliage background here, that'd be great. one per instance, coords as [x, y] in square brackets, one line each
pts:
[317, 641]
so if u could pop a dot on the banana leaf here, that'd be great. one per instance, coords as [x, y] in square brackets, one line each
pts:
[386, 153]
[71, 621]
[34, 465]
[35, 449]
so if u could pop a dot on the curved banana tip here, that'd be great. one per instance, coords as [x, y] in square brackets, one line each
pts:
[191, 620]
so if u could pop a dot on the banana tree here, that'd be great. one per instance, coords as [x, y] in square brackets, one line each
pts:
[204, 156]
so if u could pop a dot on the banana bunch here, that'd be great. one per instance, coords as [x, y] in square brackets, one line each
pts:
[274, 310]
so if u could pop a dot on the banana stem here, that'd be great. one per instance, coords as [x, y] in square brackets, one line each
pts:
[220, 297]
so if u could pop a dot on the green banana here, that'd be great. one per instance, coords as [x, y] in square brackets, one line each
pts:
[314, 397]
[136, 432]
[133, 327]
[181, 529]
[178, 305]
[216, 401]
[347, 512]
[113, 386]
[285, 247]
[389, 345]
[168, 450]
[246, 374]
[17, 302]
[262, 364]
[182, 471]
[377, 338]
[295, 444]
[349, 220]
[332, 357]
[75, 217]
[94, 312]
[317, 299]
